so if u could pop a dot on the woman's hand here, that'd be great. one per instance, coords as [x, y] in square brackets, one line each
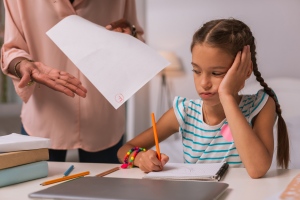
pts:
[53, 78]
[235, 78]
[122, 26]
[148, 161]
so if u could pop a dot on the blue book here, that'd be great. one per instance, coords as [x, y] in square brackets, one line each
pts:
[22, 173]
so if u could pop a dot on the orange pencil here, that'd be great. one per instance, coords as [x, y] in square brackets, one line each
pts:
[65, 178]
[155, 136]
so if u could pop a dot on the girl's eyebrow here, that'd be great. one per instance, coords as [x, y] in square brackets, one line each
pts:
[194, 64]
[215, 67]
[219, 67]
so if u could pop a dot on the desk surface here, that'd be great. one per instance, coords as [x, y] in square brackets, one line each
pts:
[241, 186]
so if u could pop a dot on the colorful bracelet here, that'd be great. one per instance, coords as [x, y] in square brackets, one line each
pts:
[125, 164]
[129, 163]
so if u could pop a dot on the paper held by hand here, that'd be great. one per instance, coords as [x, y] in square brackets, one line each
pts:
[117, 64]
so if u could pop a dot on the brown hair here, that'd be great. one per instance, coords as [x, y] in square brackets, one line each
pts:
[232, 35]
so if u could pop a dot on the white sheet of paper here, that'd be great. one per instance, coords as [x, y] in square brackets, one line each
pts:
[117, 64]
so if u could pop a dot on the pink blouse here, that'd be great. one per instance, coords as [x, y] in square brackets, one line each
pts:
[89, 123]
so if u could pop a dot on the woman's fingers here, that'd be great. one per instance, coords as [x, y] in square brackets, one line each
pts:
[74, 88]
[72, 83]
[71, 80]
[122, 23]
[64, 83]
[122, 26]
[57, 80]
[26, 80]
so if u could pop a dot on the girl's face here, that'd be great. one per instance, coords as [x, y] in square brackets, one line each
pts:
[210, 65]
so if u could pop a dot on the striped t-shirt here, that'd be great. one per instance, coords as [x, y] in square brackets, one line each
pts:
[205, 144]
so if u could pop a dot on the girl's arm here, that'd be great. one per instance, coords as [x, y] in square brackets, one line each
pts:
[147, 161]
[255, 145]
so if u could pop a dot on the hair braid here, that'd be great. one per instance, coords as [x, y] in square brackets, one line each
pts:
[283, 152]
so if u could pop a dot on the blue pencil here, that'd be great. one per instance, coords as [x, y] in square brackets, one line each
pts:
[69, 170]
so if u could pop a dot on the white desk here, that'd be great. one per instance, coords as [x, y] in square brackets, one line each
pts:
[241, 186]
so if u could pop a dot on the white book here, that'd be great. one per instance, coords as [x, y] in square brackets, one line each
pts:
[185, 171]
[18, 142]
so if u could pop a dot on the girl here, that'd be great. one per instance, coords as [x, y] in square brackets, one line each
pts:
[222, 125]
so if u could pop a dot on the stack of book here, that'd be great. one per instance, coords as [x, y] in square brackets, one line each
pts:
[22, 158]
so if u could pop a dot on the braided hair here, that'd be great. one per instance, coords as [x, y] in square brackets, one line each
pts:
[232, 35]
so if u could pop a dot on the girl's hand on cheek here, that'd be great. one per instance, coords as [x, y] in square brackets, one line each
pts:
[236, 76]
[148, 161]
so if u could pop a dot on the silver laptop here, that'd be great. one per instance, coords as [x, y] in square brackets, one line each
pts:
[94, 188]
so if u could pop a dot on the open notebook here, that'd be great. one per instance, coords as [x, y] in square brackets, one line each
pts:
[95, 188]
[201, 171]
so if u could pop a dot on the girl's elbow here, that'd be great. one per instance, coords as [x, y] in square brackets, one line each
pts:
[256, 173]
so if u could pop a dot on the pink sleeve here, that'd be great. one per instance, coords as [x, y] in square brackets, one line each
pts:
[14, 45]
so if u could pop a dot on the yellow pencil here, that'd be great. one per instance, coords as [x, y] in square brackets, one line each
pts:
[155, 136]
[65, 178]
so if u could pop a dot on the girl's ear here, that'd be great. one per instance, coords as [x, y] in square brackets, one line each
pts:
[250, 70]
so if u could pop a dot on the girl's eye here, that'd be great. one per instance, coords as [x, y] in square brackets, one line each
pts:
[218, 73]
[195, 71]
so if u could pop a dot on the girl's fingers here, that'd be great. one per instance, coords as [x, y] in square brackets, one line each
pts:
[155, 164]
[244, 56]
[248, 63]
[237, 60]
[245, 61]
[164, 159]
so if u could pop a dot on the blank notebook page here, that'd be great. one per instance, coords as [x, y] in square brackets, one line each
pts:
[186, 171]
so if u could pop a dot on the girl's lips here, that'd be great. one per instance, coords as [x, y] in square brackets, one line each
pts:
[206, 95]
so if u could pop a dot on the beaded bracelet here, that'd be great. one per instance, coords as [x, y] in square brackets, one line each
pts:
[129, 163]
[125, 164]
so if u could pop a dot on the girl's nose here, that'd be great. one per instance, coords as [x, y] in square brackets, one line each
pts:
[205, 82]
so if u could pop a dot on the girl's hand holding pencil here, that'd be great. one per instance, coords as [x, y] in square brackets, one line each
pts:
[148, 161]
[152, 160]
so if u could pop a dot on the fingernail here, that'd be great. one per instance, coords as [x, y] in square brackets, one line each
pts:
[108, 27]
